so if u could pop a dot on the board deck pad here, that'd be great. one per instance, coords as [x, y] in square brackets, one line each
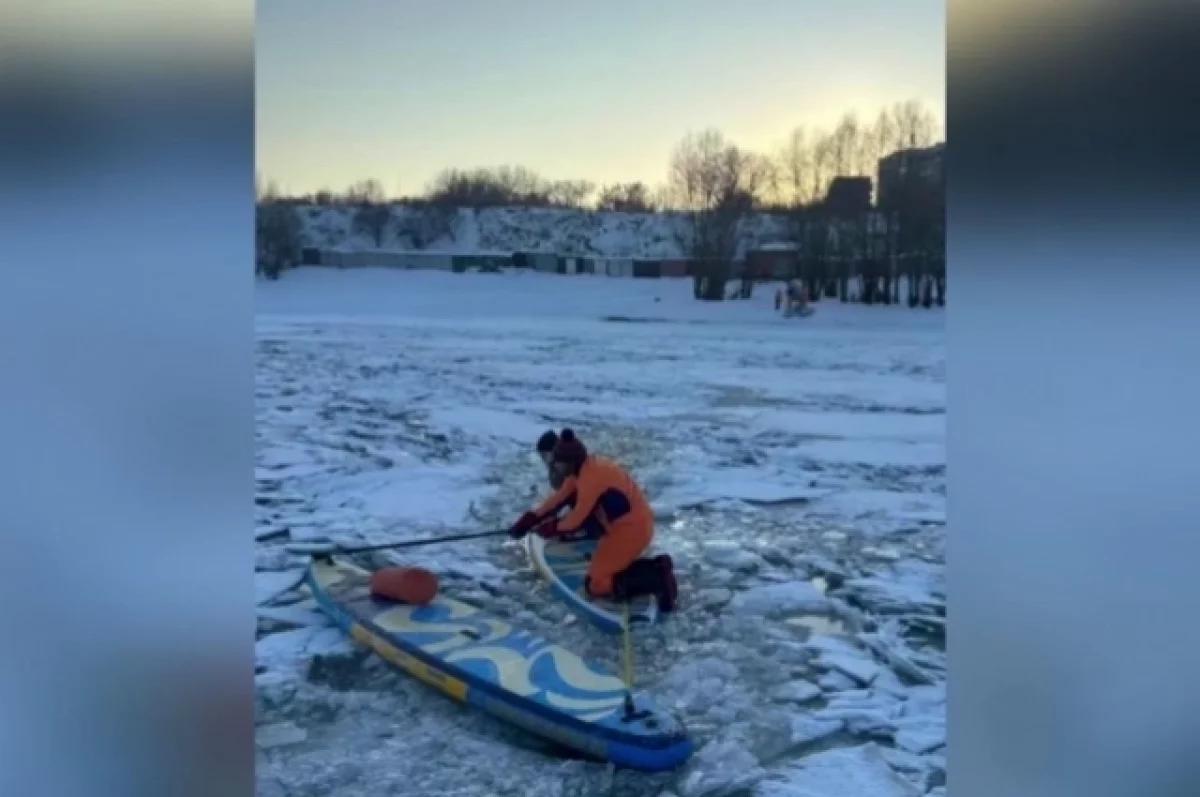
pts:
[563, 563]
[509, 672]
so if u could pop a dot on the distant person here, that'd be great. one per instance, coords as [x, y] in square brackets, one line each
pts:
[604, 502]
[797, 298]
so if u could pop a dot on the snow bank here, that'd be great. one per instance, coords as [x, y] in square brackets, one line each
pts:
[509, 229]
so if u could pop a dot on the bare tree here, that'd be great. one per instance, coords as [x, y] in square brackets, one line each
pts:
[506, 185]
[795, 167]
[425, 222]
[915, 125]
[365, 192]
[714, 183]
[767, 180]
[266, 191]
[879, 141]
[663, 197]
[884, 135]
[822, 166]
[373, 220]
[626, 198]
[570, 193]
[844, 147]
[277, 237]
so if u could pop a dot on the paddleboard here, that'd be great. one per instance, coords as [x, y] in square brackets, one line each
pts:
[510, 673]
[563, 563]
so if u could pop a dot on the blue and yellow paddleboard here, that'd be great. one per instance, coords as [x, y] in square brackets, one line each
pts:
[563, 563]
[520, 678]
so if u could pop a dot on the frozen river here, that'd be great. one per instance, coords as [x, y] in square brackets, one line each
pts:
[796, 467]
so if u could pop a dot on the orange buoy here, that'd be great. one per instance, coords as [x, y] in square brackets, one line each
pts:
[405, 584]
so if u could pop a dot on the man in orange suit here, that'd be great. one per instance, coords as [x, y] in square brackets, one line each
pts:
[603, 501]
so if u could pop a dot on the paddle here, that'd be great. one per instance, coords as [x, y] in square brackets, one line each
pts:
[327, 549]
[631, 713]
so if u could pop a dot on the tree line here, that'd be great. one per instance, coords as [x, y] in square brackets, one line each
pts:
[797, 172]
[711, 182]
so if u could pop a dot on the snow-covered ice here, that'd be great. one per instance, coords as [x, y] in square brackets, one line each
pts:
[792, 597]
[797, 471]
[859, 771]
[797, 691]
[269, 585]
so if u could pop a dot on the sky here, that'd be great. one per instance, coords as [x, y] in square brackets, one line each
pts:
[398, 90]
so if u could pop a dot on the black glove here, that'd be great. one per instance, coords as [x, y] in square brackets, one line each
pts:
[522, 526]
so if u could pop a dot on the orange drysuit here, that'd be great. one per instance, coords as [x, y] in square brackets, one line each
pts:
[604, 496]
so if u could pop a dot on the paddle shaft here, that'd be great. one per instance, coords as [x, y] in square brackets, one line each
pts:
[627, 662]
[427, 541]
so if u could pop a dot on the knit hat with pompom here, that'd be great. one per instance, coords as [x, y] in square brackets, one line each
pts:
[570, 451]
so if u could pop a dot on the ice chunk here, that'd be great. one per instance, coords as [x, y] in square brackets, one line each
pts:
[269, 585]
[926, 699]
[486, 422]
[858, 771]
[862, 670]
[270, 532]
[702, 685]
[920, 734]
[883, 554]
[727, 553]
[807, 729]
[834, 681]
[891, 648]
[773, 600]
[720, 767]
[798, 691]
[822, 564]
[887, 682]
[863, 711]
[712, 598]
[299, 615]
[295, 646]
[861, 717]
[278, 734]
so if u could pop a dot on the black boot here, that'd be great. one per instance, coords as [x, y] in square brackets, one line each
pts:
[648, 577]
[640, 578]
[668, 587]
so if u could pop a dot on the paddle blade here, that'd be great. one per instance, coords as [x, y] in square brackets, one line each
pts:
[405, 584]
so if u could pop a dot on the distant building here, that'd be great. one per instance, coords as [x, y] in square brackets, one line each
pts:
[416, 259]
[777, 260]
[576, 265]
[538, 261]
[676, 267]
[646, 268]
[908, 169]
[618, 267]
[481, 261]
[848, 196]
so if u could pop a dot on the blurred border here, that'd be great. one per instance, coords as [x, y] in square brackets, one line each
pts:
[126, 186]
[126, 193]
[1074, 373]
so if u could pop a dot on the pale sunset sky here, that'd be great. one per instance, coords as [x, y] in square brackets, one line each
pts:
[572, 89]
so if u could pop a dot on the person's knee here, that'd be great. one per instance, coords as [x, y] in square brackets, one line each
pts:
[599, 585]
